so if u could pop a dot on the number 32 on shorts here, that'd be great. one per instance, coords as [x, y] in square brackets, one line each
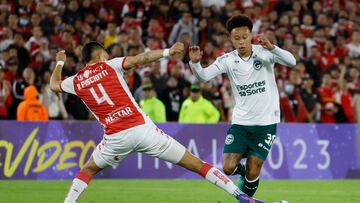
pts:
[270, 139]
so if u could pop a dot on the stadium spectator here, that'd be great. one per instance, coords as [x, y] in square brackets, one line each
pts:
[7, 38]
[12, 66]
[184, 26]
[197, 109]
[172, 96]
[23, 53]
[157, 79]
[164, 18]
[76, 108]
[354, 88]
[312, 65]
[138, 94]
[70, 65]
[151, 105]
[115, 50]
[110, 37]
[72, 14]
[311, 100]
[291, 105]
[327, 98]
[53, 102]
[31, 108]
[345, 100]
[18, 88]
[36, 40]
[133, 80]
[354, 45]
[5, 94]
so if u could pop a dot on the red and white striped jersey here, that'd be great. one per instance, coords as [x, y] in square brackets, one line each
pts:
[102, 88]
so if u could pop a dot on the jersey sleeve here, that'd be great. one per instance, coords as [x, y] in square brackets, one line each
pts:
[67, 85]
[117, 64]
[216, 68]
[283, 57]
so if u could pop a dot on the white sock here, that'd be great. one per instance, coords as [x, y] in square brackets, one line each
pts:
[78, 186]
[216, 177]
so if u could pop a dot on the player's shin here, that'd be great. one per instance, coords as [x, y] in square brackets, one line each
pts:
[216, 177]
[78, 186]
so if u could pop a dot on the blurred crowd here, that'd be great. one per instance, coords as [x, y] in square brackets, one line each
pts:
[323, 35]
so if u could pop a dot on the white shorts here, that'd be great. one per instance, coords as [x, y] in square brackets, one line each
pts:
[147, 138]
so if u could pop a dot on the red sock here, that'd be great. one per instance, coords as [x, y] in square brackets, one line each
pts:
[219, 179]
[205, 169]
[78, 186]
[83, 176]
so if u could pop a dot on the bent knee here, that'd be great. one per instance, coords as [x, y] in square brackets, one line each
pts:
[229, 168]
[90, 168]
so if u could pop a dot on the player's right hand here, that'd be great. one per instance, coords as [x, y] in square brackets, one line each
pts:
[177, 49]
[195, 54]
[61, 56]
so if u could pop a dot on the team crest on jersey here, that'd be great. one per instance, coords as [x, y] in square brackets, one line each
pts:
[257, 64]
[229, 139]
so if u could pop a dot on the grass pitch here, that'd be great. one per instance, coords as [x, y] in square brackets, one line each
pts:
[178, 191]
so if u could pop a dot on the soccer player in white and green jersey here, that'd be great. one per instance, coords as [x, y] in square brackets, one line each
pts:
[250, 69]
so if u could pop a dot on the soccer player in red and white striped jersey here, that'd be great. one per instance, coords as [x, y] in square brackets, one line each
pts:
[102, 88]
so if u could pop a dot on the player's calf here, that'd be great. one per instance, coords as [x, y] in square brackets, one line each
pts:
[250, 182]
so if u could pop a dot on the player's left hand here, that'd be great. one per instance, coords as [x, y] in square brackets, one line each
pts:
[264, 42]
[177, 49]
[61, 56]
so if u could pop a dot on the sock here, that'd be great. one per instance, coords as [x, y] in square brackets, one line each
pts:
[240, 169]
[216, 177]
[249, 187]
[78, 186]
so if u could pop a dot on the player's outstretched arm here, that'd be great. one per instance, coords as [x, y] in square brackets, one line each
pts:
[203, 74]
[281, 56]
[55, 79]
[151, 56]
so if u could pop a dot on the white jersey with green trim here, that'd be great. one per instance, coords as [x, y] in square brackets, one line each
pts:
[252, 81]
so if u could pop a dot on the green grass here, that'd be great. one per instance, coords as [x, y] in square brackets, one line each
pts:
[178, 191]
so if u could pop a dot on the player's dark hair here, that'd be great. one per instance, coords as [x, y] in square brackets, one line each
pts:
[239, 21]
[89, 49]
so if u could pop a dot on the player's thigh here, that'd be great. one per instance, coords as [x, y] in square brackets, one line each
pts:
[261, 140]
[236, 140]
[113, 149]
[158, 144]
